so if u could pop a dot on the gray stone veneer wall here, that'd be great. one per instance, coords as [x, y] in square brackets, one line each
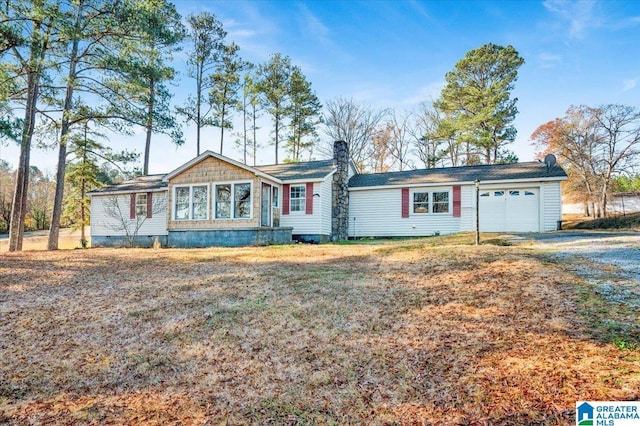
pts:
[260, 236]
[340, 200]
[118, 241]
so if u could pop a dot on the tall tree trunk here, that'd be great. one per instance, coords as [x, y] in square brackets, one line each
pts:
[19, 210]
[56, 214]
[149, 126]
[222, 127]
[277, 120]
[255, 141]
[198, 106]
[83, 192]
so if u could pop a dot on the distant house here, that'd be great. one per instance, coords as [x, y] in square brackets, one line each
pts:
[620, 203]
[213, 200]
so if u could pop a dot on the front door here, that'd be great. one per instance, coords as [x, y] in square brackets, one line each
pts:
[265, 205]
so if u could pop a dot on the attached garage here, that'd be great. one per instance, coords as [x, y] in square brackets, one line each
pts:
[513, 209]
[519, 197]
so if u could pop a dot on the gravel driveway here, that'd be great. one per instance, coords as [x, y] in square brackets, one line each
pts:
[601, 250]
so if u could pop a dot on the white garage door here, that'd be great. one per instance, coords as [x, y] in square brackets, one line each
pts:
[509, 210]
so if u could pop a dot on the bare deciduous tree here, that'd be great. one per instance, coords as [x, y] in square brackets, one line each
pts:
[355, 124]
[119, 210]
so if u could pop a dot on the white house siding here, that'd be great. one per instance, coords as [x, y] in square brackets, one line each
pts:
[102, 224]
[306, 224]
[325, 202]
[378, 213]
[551, 201]
[467, 208]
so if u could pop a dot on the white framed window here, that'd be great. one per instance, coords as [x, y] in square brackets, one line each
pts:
[181, 205]
[275, 196]
[233, 200]
[141, 205]
[297, 198]
[431, 202]
[191, 202]
[242, 200]
[223, 201]
[440, 202]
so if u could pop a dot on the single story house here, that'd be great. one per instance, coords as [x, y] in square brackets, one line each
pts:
[213, 200]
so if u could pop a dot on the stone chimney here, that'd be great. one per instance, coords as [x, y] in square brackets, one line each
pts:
[340, 199]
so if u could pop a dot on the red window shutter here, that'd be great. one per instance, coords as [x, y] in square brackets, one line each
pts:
[132, 206]
[285, 198]
[405, 202]
[149, 205]
[456, 201]
[308, 205]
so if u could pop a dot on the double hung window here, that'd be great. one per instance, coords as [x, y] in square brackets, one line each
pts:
[435, 202]
[298, 197]
[233, 200]
[191, 202]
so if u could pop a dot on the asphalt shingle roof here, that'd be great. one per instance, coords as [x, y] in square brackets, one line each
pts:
[496, 172]
[295, 171]
[321, 168]
[142, 183]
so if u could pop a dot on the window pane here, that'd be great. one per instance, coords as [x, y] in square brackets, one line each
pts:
[440, 197]
[528, 193]
[182, 203]
[421, 202]
[223, 201]
[297, 198]
[200, 195]
[141, 204]
[441, 202]
[242, 197]
[498, 194]
[514, 193]
[484, 194]
[441, 207]
[274, 196]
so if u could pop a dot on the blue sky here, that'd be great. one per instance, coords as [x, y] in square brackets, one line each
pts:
[395, 54]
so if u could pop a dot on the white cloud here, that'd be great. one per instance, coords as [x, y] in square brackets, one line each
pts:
[580, 15]
[424, 94]
[630, 84]
[313, 27]
[548, 60]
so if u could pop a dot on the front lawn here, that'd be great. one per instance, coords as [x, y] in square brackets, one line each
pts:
[398, 332]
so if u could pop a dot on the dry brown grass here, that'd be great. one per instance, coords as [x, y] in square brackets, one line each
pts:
[396, 332]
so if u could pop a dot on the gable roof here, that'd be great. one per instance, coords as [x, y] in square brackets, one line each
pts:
[300, 171]
[484, 173]
[141, 183]
[208, 154]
